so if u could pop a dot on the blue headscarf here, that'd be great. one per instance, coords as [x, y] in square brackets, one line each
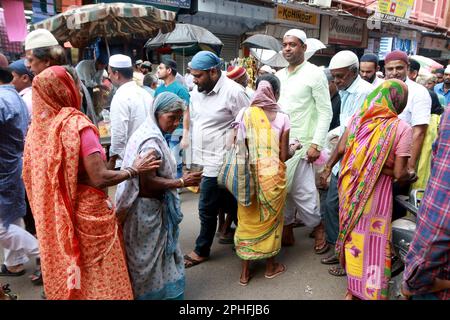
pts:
[205, 60]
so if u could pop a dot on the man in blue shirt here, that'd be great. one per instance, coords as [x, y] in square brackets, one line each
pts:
[17, 243]
[178, 140]
[444, 87]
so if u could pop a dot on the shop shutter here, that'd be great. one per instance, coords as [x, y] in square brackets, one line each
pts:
[230, 49]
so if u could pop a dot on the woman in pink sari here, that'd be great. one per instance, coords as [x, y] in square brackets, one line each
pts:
[374, 149]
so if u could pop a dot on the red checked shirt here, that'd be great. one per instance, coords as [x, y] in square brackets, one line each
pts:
[428, 256]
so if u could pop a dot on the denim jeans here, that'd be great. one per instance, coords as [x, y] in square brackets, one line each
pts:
[212, 196]
[426, 296]
[331, 211]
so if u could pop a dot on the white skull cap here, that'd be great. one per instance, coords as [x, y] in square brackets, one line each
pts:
[342, 59]
[300, 34]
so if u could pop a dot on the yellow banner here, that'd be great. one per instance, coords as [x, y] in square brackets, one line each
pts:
[295, 15]
[398, 8]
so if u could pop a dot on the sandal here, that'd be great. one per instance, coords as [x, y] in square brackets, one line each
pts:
[322, 249]
[283, 270]
[337, 271]
[6, 273]
[245, 283]
[320, 243]
[36, 277]
[190, 262]
[7, 295]
[330, 260]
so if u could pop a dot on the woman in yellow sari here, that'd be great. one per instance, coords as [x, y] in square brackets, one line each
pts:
[266, 130]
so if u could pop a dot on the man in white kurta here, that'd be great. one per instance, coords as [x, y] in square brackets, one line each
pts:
[306, 99]
[129, 107]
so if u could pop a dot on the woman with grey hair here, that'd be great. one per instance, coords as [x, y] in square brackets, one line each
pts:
[150, 207]
[43, 50]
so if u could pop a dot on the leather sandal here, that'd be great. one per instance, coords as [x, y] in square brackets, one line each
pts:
[330, 260]
[337, 271]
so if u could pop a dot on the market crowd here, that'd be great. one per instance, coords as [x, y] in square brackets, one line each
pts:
[328, 148]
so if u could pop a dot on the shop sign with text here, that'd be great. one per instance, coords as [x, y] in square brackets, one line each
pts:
[346, 31]
[295, 15]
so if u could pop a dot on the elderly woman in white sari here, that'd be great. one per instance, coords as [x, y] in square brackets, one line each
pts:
[150, 207]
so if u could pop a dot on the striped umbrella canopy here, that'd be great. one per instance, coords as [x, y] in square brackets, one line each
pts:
[427, 63]
[83, 25]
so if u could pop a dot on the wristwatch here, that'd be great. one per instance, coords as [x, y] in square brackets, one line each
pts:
[315, 146]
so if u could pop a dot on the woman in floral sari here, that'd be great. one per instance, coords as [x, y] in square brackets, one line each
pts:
[375, 149]
[65, 176]
[151, 207]
[260, 227]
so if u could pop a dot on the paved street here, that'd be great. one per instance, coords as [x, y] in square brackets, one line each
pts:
[218, 278]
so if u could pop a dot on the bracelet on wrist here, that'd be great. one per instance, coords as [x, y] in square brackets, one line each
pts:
[182, 182]
[128, 172]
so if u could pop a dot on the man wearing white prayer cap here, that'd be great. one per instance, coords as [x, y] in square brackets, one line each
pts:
[353, 90]
[305, 97]
[42, 50]
[130, 106]
[265, 69]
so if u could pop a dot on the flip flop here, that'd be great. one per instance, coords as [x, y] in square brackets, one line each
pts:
[192, 262]
[322, 250]
[6, 273]
[337, 271]
[330, 260]
[277, 273]
[244, 284]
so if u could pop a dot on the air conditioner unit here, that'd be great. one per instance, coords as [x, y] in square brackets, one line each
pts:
[320, 3]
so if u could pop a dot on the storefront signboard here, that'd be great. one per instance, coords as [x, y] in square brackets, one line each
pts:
[346, 31]
[285, 13]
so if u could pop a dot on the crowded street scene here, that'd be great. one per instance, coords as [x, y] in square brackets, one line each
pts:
[224, 150]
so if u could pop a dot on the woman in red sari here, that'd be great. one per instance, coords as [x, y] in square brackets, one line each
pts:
[64, 173]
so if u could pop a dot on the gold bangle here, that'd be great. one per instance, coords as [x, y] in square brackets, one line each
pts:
[182, 182]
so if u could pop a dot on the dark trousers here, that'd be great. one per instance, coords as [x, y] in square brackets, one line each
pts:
[212, 197]
[29, 220]
[331, 211]
[398, 210]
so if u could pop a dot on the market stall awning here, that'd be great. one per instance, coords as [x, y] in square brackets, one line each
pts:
[83, 25]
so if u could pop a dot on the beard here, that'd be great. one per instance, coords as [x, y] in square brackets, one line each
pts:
[372, 78]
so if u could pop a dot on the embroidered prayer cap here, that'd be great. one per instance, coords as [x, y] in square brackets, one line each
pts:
[40, 38]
